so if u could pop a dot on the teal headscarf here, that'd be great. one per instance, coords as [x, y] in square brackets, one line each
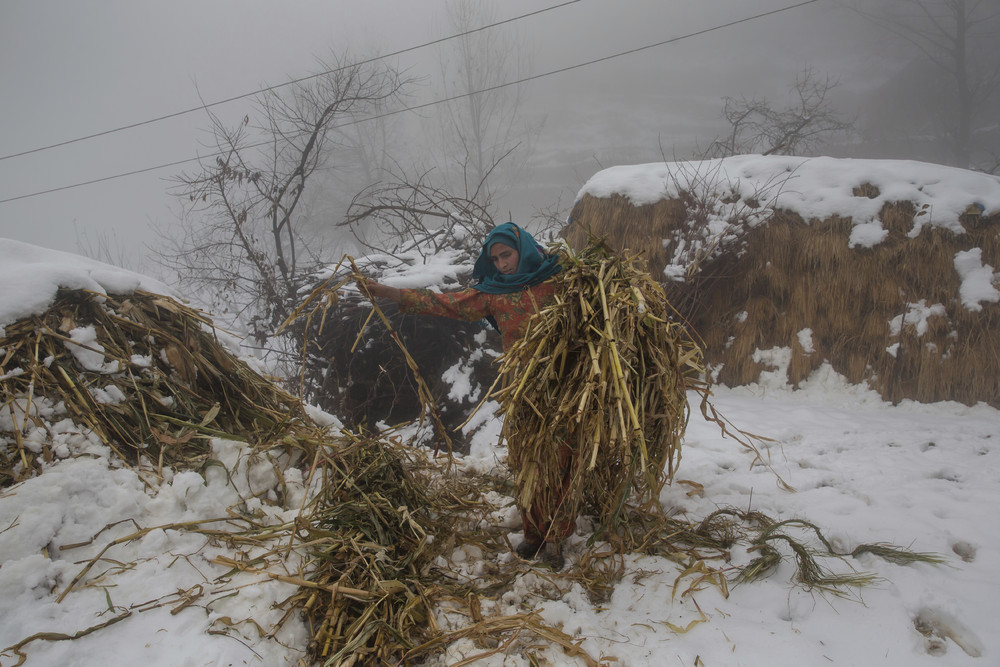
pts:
[534, 265]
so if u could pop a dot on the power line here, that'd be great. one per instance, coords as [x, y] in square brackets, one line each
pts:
[441, 101]
[102, 179]
[282, 85]
[573, 67]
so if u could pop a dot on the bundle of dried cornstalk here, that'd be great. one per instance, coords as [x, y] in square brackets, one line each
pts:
[605, 368]
[366, 542]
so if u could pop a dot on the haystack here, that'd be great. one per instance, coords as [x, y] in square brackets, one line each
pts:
[142, 373]
[777, 291]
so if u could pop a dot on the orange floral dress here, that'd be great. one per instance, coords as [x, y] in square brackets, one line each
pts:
[546, 520]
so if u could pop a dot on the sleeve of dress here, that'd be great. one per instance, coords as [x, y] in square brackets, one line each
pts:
[467, 304]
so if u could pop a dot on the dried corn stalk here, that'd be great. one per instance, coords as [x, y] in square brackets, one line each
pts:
[605, 368]
[158, 386]
[368, 534]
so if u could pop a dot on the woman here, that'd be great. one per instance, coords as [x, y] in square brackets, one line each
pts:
[513, 274]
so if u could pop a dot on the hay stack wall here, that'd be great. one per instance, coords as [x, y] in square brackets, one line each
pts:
[886, 270]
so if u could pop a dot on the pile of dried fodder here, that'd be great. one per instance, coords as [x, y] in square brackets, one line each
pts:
[385, 514]
[605, 369]
[144, 374]
[149, 378]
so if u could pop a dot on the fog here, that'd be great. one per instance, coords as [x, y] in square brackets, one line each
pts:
[74, 69]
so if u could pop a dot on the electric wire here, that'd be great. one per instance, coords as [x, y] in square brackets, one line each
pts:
[435, 102]
[282, 85]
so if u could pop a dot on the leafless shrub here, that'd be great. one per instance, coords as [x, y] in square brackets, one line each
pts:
[799, 129]
[409, 215]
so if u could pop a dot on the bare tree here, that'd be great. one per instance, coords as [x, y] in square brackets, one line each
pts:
[958, 38]
[242, 242]
[483, 144]
[483, 124]
[798, 129]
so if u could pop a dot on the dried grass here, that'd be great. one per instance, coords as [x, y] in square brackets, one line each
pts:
[165, 385]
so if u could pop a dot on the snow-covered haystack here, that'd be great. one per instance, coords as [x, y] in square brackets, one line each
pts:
[886, 270]
[141, 373]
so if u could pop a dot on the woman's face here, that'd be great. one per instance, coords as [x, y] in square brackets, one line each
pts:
[504, 258]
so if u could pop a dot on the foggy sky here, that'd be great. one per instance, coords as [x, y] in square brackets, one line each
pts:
[72, 69]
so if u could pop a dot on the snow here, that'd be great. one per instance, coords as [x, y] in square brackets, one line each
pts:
[925, 477]
[459, 377]
[867, 235]
[410, 269]
[815, 188]
[79, 498]
[805, 337]
[917, 315]
[32, 275]
[88, 352]
[977, 279]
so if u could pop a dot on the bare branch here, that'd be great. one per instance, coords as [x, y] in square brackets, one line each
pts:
[243, 234]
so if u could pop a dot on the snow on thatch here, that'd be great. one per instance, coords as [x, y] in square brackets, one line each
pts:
[884, 269]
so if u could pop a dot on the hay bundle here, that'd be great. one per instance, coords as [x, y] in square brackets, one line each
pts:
[368, 535]
[145, 374]
[604, 369]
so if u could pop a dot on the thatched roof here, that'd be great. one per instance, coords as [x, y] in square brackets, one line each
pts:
[888, 280]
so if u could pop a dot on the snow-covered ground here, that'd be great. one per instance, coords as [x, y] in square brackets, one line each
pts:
[920, 476]
[924, 477]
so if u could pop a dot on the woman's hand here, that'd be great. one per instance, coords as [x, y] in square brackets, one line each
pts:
[371, 288]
